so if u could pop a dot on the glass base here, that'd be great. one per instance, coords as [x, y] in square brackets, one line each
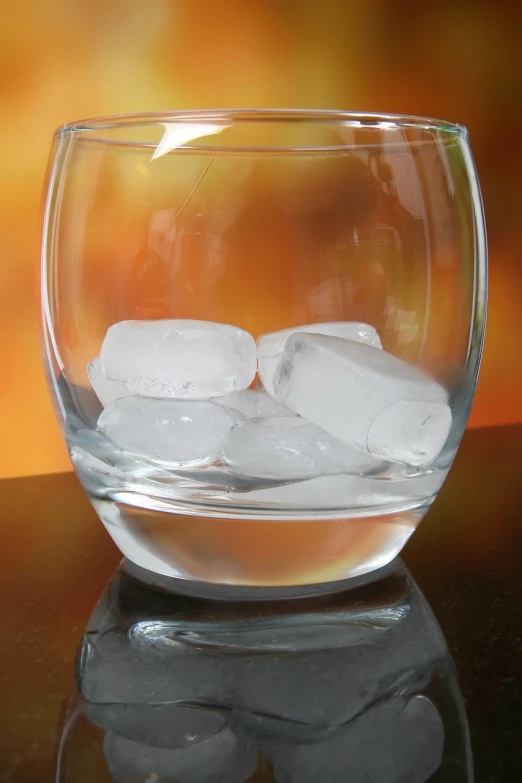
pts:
[224, 592]
[255, 553]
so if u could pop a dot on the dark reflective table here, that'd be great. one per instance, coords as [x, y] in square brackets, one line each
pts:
[103, 678]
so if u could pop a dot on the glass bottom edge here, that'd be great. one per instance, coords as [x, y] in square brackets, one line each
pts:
[252, 552]
[214, 591]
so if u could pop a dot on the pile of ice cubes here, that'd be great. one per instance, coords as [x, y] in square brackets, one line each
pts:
[311, 401]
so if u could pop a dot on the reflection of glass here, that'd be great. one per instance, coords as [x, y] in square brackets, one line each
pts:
[358, 686]
[350, 246]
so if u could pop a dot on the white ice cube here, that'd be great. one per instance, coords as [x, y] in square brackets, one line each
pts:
[173, 433]
[255, 403]
[179, 358]
[157, 725]
[383, 745]
[411, 431]
[289, 448]
[410, 748]
[340, 758]
[106, 390]
[365, 397]
[271, 346]
[223, 757]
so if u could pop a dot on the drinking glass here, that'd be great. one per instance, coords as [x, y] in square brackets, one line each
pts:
[262, 333]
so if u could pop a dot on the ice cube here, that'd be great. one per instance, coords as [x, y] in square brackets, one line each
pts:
[173, 433]
[271, 346]
[339, 759]
[267, 728]
[106, 390]
[365, 397]
[157, 725]
[410, 431]
[114, 670]
[392, 653]
[223, 757]
[410, 749]
[295, 687]
[255, 403]
[289, 448]
[179, 358]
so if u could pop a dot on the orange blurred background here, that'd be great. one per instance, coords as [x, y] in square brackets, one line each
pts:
[69, 59]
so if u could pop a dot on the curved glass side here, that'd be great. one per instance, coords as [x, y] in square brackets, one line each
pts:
[262, 332]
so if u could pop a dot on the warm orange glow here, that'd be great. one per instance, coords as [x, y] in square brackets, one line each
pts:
[64, 61]
[267, 552]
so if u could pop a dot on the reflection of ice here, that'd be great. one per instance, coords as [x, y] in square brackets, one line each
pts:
[341, 754]
[223, 757]
[119, 672]
[327, 297]
[365, 397]
[391, 743]
[333, 688]
[409, 749]
[402, 321]
[330, 687]
[157, 725]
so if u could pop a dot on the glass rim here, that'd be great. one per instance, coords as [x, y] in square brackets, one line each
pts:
[226, 117]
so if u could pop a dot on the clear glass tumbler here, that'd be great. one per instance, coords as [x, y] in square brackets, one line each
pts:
[262, 331]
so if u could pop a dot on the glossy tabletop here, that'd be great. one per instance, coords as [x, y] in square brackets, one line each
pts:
[56, 561]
